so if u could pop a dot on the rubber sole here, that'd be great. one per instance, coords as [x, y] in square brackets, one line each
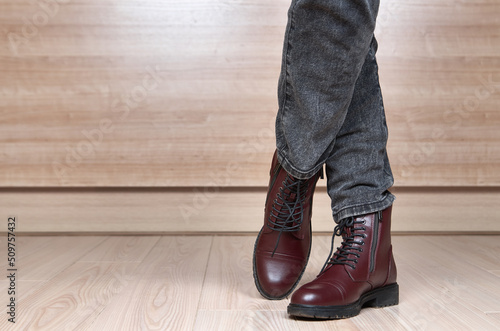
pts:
[378, 298]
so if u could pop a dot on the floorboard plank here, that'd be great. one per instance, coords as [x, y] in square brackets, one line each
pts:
[122, 249]
[230, 269]
[245, 320]
[48, 256]
[452, 292]
[75, 297]
[165, 289]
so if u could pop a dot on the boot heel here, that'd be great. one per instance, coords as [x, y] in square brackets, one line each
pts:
[385, 296]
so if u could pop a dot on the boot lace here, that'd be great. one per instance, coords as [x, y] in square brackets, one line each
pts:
[347, 253]
[287, 211]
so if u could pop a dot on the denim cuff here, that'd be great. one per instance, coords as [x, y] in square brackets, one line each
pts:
[363, 209]
[296, 173]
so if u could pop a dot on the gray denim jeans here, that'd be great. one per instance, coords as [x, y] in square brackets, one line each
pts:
[330, 104]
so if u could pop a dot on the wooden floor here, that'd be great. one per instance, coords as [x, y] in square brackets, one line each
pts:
[205, 283]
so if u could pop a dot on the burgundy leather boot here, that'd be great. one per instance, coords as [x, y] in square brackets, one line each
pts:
[361, 273]
[284, 242]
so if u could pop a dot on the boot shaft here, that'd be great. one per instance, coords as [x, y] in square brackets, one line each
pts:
[284, 189]
[366, 250]
[376, 263]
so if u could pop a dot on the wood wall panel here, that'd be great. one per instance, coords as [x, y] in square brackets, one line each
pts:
[158, 211]
[207, 117]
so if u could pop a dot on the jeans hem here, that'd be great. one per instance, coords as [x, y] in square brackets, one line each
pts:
[363, 209]
[296, 173]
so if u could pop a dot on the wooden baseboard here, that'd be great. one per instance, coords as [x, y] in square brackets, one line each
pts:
[229, 210]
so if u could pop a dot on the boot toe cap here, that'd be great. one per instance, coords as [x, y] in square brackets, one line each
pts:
[319, 294]
[277, 276]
